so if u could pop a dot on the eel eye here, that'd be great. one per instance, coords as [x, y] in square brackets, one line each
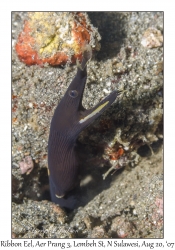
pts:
[73, 93]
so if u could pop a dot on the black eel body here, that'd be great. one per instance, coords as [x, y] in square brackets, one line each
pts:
[69, 119]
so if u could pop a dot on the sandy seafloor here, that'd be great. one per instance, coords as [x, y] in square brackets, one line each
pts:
[128, 203]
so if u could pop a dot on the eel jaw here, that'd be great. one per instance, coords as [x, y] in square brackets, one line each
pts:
[97, 110]
[88, 116]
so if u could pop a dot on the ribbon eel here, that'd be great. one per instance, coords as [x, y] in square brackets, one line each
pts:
[69, 119]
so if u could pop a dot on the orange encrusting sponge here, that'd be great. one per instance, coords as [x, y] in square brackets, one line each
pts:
[55, 38]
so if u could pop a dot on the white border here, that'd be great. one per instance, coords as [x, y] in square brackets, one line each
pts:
[5, 93]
